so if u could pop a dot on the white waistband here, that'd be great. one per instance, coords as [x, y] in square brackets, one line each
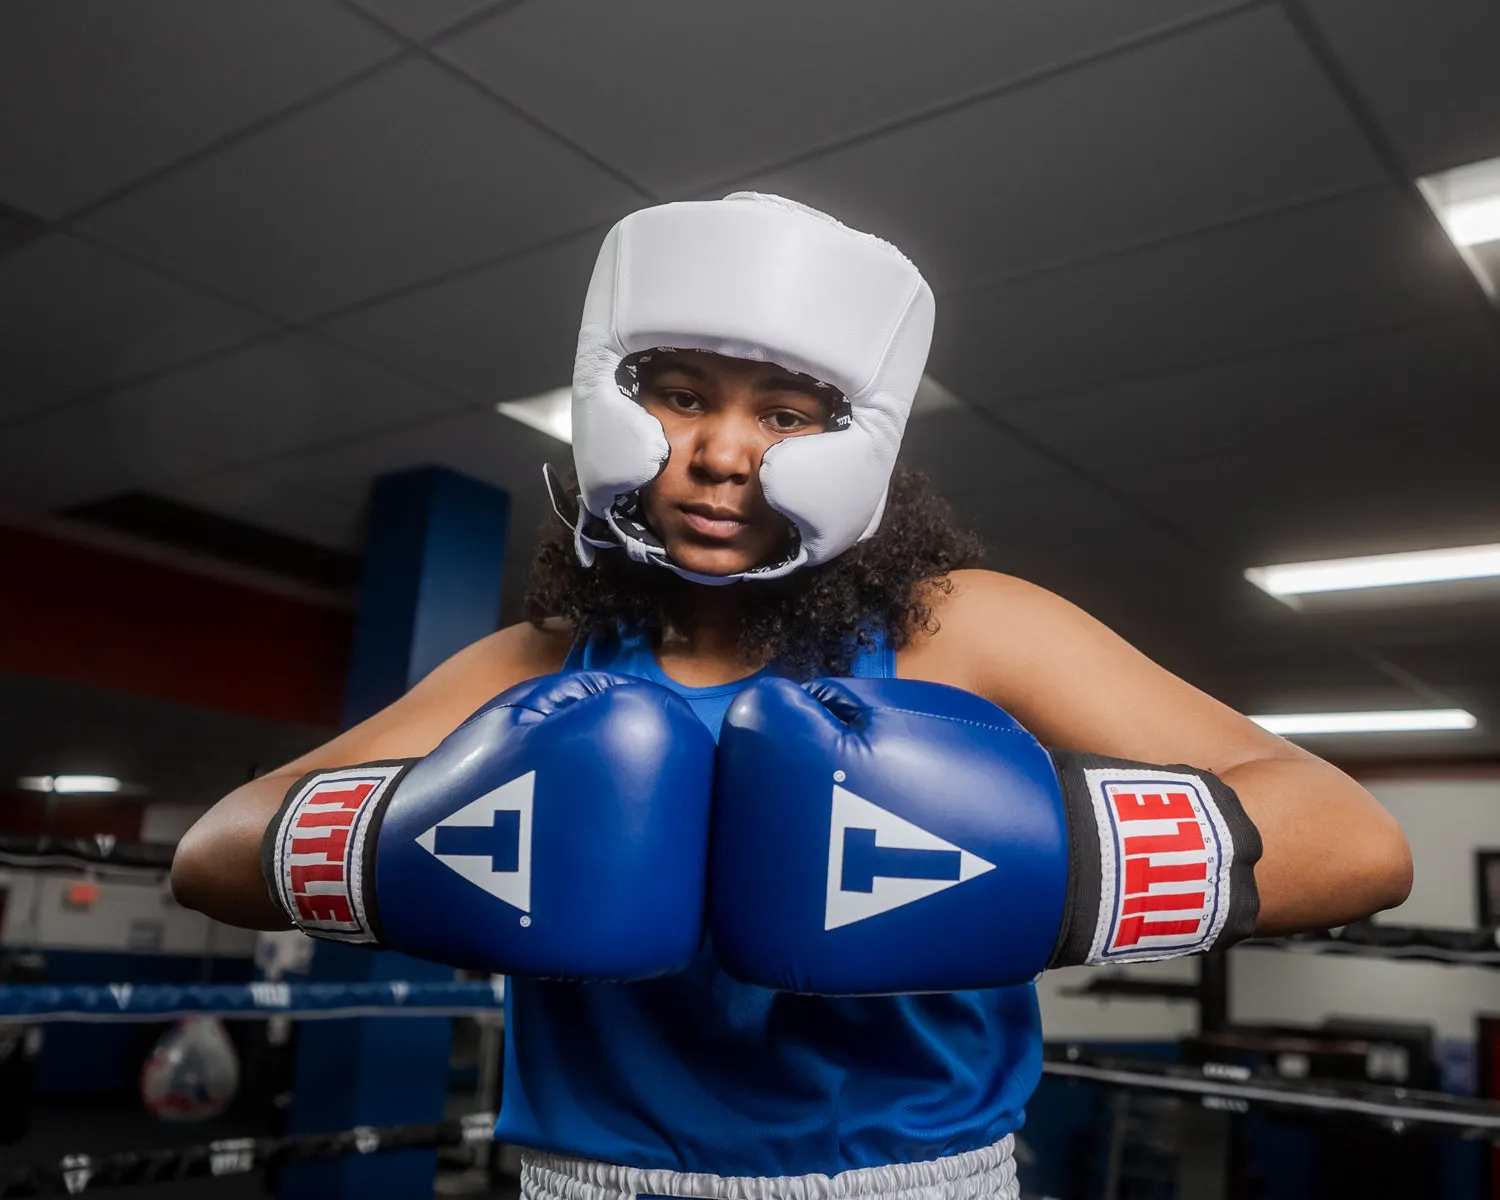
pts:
[985, 1174]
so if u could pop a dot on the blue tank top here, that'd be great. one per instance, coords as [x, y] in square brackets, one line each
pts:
[698, 1072]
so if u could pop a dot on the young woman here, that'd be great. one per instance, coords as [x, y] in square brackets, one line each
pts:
[893, 859]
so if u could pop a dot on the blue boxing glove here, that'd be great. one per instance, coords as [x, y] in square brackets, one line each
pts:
[561, 831]
[882, 836]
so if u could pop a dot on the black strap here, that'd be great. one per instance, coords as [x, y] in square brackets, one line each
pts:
[1086, 862]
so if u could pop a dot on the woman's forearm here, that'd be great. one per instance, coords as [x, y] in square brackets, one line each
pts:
[1331, 855]
[217, 866]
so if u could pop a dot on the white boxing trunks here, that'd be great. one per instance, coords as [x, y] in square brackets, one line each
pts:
[985, 1174]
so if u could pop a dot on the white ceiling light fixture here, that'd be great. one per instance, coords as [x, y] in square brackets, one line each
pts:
[1377, 571]
[1420, 720]
[1467, 201]
[550, 412]
[71, 785]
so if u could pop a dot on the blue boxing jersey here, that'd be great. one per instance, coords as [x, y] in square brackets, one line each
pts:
[698, 1072]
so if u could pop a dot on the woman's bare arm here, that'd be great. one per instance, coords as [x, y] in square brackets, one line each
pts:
[1332, 853]
[217, 866]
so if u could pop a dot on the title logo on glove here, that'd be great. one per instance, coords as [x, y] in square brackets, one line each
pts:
[320, 849]
[1166, 876]
[878, 861]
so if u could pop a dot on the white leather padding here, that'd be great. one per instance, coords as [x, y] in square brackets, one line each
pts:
[761, 278]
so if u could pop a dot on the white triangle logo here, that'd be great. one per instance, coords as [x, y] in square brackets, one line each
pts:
[855, 814]
[462, 842]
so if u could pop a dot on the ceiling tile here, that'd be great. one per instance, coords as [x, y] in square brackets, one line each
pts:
[735, 87]
[1352, 393]
[1451, 644]
[498, 333]
[1325, 498]
[1428, 71]
[1079, 543]
[69, 455]
[404, 176]
[322, 498]
[1170, 137]
[961, 451]
[423, 18]
[1188, 611]
[1354, 754]
[269, 400]
[1359, 262]
[1471, 662]
[1417, 620]
[17, 227]
[1308, 674]
[97, 93]
[74, 318]
[478, 443]
[266, 400]
[1054, 529]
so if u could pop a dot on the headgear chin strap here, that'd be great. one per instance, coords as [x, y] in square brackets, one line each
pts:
[755, 277]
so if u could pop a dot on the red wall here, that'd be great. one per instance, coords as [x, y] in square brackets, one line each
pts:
[75, 612]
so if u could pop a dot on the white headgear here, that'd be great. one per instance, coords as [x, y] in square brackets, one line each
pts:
[762, 278]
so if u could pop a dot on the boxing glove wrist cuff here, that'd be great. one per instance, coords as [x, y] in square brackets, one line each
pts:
[1161, 862]
[318, 855]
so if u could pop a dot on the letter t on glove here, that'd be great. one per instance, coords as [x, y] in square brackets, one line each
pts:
[559, 832]
[881, 836]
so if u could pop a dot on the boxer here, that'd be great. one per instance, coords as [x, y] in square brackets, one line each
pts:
[776, 806]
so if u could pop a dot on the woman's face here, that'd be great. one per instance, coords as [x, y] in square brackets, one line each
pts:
[720, 416]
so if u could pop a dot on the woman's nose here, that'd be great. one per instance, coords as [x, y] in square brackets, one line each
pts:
[726, 448]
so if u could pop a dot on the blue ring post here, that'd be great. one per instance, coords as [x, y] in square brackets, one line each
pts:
[431, 586]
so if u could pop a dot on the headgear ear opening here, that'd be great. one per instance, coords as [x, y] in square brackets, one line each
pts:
[763, 278]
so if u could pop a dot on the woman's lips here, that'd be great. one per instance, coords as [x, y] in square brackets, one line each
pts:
[712, 526]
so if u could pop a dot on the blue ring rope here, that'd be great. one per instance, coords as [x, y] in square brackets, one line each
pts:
[41, 1002]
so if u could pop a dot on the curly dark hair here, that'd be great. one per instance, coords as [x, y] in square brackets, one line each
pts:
[812, 622]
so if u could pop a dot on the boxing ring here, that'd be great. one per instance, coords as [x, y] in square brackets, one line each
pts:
[1221, 1086]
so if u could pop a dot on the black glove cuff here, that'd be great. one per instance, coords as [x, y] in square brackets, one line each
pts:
[1161, 862]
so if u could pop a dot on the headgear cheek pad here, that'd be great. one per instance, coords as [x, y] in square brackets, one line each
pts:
[762, 278]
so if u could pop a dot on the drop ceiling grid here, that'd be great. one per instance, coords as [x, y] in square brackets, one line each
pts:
[99, 94]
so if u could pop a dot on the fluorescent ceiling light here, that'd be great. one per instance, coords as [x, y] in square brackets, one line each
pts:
[1378, 570]
[70, 785]
[1467, 201]
[1420, 720]
[550, 412]
[1474, 222]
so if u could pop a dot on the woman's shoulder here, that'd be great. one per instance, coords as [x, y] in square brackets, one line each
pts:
[974, 617]
[972, 597]
[519, 652]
